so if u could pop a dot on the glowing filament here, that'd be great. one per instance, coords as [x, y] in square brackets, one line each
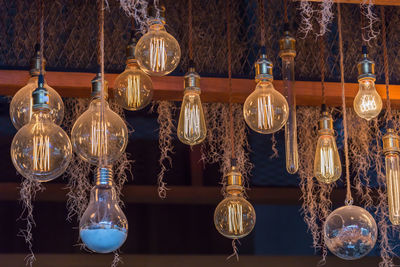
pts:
[368, 103]
[192, 122]
[99, 140]
[265, 113]
[235, 218]
[133, 91]
[327, 164]
[158, 54]
[41, 153]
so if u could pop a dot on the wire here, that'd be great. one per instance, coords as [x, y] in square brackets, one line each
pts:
[386, 64]
[228, 28]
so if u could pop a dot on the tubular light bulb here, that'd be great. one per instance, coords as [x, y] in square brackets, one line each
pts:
[93, 138]
[265, 110]
[134, 88]
[157, 52]
[367, 103]
[234, 216]
[21, 103]
[191, 126]
[103, 227]
[327, 165]
[41, 150]
[391, 150]
[287, 52]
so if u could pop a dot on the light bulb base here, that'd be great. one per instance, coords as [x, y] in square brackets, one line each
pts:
[325, 123]
[40, 96]
[36, 65]
[366, 67]
[130, 48]
[96, 87]
[263, 69]
[391, 142]
[287, 45]
[104, 176]
[192, 80]
[234, 181]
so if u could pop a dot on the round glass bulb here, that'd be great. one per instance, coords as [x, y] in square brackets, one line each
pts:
[350, 232]
[157, 52]
[41, 150]
[265, 110]
[21, 104]
[93, 139]
[367, 103]
[234, 217]
[103, 227]
[133, 88]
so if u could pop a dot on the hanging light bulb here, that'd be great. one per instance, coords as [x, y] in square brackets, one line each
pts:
[265, 110]
[287, 52]
[103, 227]
[234, 216]
[391, 150]
[367, 103]
[21, 103]
[94, 137]
[327, 166]
[41, 150]
[133, 87]
[191, 126]
[157, 52]
[350, 232]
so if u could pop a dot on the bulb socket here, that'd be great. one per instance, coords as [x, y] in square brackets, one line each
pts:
[325, 123]
[391, 143]
[96, 87]
[130, 49]
[40, 96]
[234, 181]
[263, 69]
[35, 63]
[287, 44]
[156, 14]
[366, 67]
[192, 79]
[104, 176]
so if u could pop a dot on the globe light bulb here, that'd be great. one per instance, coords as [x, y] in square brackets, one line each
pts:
[391, 150]
[157, 52]
[133, 87]
[234, 216]
[21, 103]
[350, 232]
[103, 227]
[95, 138]
[367, 103]
[287, 53]
[192, 126]
[41, 150]
[327, 165]
[265, 110]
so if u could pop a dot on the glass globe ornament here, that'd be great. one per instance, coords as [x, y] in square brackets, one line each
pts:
[157, 52]
[265, 110]
[234, 216]
[133, 87]
[95, 138]
[350, 232]
[41, 150]
[103, 227]
[21, 103]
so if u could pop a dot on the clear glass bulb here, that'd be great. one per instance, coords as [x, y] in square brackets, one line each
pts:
[157, 52]
[392, 164]
[93, 138]
[21, 104]
[350, 232]
[367, 103]
[41, 150]
[265, 110]
[234, 216]
[133, 88]
[103, 227]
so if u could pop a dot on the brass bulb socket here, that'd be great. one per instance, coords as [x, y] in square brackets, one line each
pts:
[287, 45]
[234, 181]
[96, 87]
[325, 124]
[192, 80]
[391, 143]
[263, 69]
[130, 49]
[366, 68]
[104, 176]
[156, 13]
[35, 65]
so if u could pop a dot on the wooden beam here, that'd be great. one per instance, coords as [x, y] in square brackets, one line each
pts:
[77, 84]
[376, 2]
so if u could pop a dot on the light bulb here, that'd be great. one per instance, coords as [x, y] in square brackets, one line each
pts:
[103, 227]
[157, 52]
[191, 126]
[327, 165]
[265, 110]
[21, 103]
[234, 216]
[350, 232]
[95, 138]
[391, 149]
[41, 150]
[134, 88]
[287, 52]
[367, 103]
